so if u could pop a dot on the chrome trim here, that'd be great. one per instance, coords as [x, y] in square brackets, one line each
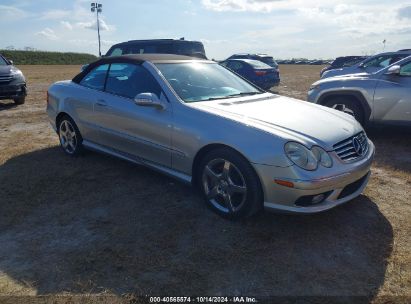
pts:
[348, 151]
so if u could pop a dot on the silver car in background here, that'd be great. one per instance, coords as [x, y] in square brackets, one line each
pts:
[197, 121]
[382, 97]
[369, 65]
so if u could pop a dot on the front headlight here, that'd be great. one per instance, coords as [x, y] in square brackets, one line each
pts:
[16, 73]
[314, 87]
[322, 156]
[301, 156]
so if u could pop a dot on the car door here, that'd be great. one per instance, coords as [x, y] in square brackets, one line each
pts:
[392, 97]
[89, 91]
[137, 131]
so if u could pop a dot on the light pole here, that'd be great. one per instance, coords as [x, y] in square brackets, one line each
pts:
[98, 8]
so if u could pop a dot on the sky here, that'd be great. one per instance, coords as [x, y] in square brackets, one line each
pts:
[282, 28]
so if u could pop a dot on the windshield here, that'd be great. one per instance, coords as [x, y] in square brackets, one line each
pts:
[196, 81]
[270, 61]
[3, 62]
[257, 64]
[383, 60]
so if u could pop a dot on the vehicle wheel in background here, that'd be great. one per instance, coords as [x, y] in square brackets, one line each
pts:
[229, 184]
[20, 100]
[70, 137]
[350, 106]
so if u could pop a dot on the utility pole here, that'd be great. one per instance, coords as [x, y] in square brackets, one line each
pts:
[384, 42]
[98, 8]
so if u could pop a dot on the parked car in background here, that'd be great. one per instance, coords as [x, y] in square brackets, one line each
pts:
[195, 120]
[159, 46]
[12, 82]
[267, 59]
[370, 65]
[383, 96]
[342, 62]
[257, 72]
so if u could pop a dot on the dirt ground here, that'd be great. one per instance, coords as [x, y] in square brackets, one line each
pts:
[98, 225]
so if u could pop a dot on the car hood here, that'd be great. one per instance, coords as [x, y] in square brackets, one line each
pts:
[354, 76]
[288, 118]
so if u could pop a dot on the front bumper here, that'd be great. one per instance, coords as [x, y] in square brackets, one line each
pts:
[11, 91]
[339, 184]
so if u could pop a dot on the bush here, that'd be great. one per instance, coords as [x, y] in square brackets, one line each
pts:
[40, 57]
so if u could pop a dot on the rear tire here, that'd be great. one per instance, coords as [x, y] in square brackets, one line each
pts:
[350, 104]
[20, 100]
[70, 138]
[229, 184]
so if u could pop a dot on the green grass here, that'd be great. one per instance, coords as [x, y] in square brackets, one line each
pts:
[41, 57]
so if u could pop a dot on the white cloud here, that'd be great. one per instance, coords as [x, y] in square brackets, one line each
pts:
[67, 25]
[93, 25]
[54, 14]
[11, 13]
[48, 33]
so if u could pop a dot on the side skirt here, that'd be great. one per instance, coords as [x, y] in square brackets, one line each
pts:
[136, 160]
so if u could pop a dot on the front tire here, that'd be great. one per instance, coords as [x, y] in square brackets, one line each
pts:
[20, 100]
[351, 105]
[229, 184]
[70, 137]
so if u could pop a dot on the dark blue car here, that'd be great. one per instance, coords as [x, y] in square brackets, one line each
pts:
[259, 73]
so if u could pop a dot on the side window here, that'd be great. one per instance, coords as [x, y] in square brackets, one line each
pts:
[95, 78]
[376, 62]
[406, 70]
[129, 80]
[117, 52]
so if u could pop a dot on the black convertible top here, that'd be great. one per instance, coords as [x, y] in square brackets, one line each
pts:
[136, 59]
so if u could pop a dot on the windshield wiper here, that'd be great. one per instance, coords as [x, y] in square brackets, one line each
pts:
[231, 96]
[244, 94]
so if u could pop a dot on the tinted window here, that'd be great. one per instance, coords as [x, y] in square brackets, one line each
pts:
[160, 47]
[235, 65]
[269, 61]
[258, 64]
[117, 52]
[189, 48]
[129, 80]
[383, 61]
[406, 70]
[2, 61]
[95, 78]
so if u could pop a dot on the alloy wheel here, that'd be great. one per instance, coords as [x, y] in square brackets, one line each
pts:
[68, 137]
[224, 185]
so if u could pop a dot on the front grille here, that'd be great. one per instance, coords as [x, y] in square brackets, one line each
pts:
[9, 88]
[6, 78]
[352, 148]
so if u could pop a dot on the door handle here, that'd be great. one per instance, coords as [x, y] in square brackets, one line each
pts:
[101, 103]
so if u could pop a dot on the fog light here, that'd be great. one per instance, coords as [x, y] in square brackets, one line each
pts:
[318, 199]
[310, 200]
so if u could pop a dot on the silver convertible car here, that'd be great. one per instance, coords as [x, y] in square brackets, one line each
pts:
[246, 149]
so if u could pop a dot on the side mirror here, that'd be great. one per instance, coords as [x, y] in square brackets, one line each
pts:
[11, 62]
[148, 100]
[394, 70]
